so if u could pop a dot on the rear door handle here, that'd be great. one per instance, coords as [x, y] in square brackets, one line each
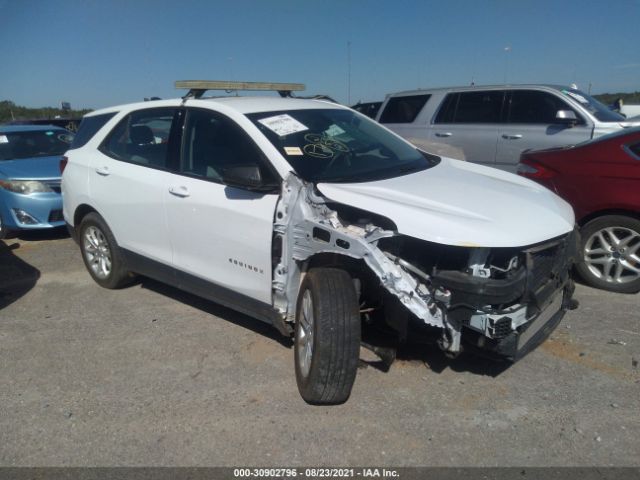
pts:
[443, 134]
[104, 171]
[512, 137]
[180, 191]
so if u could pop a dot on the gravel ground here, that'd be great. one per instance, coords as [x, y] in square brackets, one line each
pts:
[149, 375]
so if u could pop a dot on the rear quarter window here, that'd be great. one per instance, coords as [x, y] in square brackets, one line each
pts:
[88, 128]
[403, 109]
[635, 150]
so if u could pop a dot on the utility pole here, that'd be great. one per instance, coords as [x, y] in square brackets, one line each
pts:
[349, 73]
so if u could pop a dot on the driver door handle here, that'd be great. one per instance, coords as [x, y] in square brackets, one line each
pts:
[512, 137]
[104, 171]
[443, 134]
[180, 191]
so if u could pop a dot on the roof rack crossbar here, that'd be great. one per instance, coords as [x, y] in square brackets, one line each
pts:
[197, 88]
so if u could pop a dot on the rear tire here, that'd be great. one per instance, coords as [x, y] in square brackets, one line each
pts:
[610, 253]
[327, 336]
[101, 254]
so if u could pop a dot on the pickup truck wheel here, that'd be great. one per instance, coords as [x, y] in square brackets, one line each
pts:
[101, 254]
[327, 336]
[610, 253]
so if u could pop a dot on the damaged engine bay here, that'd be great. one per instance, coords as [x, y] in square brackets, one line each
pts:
[500, 301]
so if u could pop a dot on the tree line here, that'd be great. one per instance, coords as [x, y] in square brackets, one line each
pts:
[10, 111]
[627, 98]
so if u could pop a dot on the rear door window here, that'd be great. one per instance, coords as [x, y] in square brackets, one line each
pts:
[479, 107]
[403, 109]
[472, 107]
[534, 107]
[142, 138]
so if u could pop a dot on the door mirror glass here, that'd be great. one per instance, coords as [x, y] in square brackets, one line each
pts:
[247, 176]
[566, 116]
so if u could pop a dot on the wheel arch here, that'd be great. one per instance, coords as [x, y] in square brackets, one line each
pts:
[82, 211]
[611, 211]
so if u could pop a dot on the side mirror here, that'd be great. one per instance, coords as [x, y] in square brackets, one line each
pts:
[567, 117]
[247, 177]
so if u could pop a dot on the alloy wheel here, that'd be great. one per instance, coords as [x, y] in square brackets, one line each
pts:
[97, 252]
[612, 254]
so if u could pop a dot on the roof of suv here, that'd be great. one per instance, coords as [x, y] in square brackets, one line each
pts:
[481, 87]
[242, 105]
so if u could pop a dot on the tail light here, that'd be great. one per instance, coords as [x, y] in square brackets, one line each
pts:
[63, 164]
[534, 170]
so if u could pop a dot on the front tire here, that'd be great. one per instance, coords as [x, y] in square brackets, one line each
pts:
[101, 254]
[610, 253]
[327, 336]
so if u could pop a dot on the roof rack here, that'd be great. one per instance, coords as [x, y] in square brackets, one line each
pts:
[198, 87]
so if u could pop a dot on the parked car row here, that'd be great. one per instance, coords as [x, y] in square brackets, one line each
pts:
[314, 218]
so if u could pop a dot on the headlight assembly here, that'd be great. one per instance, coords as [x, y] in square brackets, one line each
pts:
[25, 187]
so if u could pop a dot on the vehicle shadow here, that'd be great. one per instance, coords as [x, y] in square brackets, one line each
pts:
[433, 358]
[217, 310]
[428, 354]
[17, 277]
[57, 233]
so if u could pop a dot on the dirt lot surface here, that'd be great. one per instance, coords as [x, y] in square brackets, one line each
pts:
[149, 375]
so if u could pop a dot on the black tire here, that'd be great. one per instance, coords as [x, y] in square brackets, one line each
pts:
[331, 370]
[619, 256]
[5, 233]
[117, 275]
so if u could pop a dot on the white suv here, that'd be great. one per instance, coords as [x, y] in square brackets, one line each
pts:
[314, 218]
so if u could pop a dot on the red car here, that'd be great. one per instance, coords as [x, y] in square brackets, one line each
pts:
[601, 180]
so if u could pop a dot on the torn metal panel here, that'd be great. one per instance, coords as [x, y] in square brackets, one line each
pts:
[307, 227]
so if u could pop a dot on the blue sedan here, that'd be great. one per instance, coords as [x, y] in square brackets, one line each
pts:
[30, 177]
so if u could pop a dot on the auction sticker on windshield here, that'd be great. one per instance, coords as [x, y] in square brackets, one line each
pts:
[283, 125]
[293, 151]
[4, 139]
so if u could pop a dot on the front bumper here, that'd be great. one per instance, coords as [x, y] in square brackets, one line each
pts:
[31, 212]
[519, 343]
[509, 317]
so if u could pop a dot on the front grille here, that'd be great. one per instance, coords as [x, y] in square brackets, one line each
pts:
[500, 328]
[550, 263]
[53, 184]
[55, 216]
[543, 266]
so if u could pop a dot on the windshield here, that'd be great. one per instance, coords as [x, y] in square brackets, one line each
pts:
[34, 143]
[593, 106]
[334, 145]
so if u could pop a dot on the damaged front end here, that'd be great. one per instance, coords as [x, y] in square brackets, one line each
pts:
[503, 301]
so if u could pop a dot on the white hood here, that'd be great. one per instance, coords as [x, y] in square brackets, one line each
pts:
[464, 204]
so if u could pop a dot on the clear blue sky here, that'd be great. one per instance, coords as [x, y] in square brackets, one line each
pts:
[96, 53]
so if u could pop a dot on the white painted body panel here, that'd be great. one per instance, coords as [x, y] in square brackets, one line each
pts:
[459, 203]
[222, 234]
[130, 198]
